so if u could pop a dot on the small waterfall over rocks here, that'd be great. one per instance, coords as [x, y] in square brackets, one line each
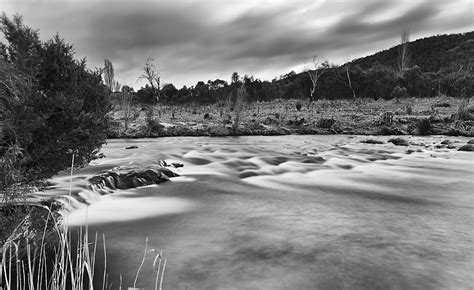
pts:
[132, 177]
[118, 178]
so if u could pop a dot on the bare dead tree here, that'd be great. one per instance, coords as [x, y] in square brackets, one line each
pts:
[347, 79]
[314, 75]
[403, 53]
[151, 74]
[108, 74]
[464, 71]
[350, 83]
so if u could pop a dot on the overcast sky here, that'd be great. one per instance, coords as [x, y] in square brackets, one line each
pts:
[209, 39]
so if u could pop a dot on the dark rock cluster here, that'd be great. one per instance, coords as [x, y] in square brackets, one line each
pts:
[125, 178]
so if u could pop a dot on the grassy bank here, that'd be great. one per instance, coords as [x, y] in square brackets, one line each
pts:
[39, 251]
[421, 116]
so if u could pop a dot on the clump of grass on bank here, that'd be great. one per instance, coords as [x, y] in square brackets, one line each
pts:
[463, 112]
[56, 263]
[49, 262]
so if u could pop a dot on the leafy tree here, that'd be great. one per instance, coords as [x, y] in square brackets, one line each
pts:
[200, 91]
[414, 82]
[147, 95]
[127, 89]
[235, 78]
[168, 93]
[216, 84]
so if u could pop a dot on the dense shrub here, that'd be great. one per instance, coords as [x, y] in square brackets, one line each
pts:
[52, 105]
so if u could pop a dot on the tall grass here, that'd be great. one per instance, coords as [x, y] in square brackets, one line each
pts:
[28, 263]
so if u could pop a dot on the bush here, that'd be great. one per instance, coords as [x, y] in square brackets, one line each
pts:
[298, 105]
[52, 105]
[423, 127]
[152, 124]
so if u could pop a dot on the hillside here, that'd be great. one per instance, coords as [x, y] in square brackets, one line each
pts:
[431, 54]
[440, 64]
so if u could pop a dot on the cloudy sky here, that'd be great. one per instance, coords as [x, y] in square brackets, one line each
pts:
[194, 40]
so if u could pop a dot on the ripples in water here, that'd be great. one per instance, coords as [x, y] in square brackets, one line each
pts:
[293, 212]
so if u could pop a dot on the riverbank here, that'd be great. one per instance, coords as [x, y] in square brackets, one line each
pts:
[414, 116]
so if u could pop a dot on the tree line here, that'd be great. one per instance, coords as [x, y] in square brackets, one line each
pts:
[438, 65]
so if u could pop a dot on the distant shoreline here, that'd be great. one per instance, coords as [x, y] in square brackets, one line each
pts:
[411, 116]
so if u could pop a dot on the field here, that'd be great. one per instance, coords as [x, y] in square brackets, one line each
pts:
[440, 115]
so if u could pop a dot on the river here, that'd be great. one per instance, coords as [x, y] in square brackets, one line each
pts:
[286, 212]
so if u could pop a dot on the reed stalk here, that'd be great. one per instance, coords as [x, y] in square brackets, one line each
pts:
[28, 265]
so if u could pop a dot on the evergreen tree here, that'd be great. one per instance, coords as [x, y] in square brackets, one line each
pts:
[53, 106]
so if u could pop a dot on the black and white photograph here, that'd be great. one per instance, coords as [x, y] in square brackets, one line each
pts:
[236, 144]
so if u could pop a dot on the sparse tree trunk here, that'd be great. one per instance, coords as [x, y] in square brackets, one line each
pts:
[314, 76]
[239, 103]
[126, 104]
[350, 83]
[108, 74]
[403, 53]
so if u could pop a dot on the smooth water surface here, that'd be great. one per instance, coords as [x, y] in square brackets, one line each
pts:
[288, 212]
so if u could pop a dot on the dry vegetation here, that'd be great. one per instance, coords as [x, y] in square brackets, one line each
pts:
[440, 115]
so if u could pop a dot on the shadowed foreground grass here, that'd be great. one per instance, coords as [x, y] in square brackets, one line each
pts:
[59, 261]
[39, 251]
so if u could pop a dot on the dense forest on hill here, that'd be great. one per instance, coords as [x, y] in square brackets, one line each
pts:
[437, 65]
[431, 54]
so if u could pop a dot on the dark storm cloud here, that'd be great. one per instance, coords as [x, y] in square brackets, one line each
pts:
[357, 25]
[200, 40]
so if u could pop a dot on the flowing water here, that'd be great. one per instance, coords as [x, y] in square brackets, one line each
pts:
[287, 212]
